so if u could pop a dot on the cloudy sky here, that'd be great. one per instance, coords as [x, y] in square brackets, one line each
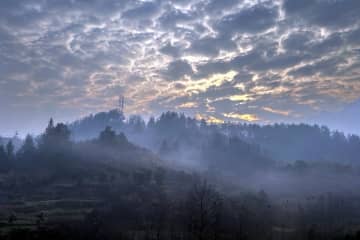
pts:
[222, 60]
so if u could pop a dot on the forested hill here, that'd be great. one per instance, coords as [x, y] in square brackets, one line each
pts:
[89, 127]
[108, 183]
[300, 141]
[171, 133]
[54, 152]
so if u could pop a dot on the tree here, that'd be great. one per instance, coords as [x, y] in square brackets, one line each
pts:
[2, 154]
[55, 143]
[151, 123]
[164, 148]
[12, 218]
[50, 126]
[55, 137]
[3, 158]
[10, 150]
[40, 219]
[108, 136]
[159, 176]
[137, 124]
[203, 124]
[204, 207]
[28, 149]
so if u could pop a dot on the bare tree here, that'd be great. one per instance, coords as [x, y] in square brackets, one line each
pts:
[203, 208]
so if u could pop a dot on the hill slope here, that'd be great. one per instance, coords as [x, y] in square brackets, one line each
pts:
[174, 133]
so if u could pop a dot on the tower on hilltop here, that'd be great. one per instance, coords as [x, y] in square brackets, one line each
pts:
[121, 106]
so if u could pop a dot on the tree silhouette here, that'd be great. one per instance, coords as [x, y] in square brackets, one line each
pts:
[28, 149]
[136, 124]
[204, 206]
[3, 159]
[108, 136]
[57, 136]
[10, 150]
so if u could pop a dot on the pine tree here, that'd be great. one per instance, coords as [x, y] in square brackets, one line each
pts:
[28, 149]
[10, 150]
[2, 154]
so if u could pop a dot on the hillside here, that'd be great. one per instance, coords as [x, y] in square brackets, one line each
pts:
[108, 187]
[181, 140]
[172, 133]
[55, 180]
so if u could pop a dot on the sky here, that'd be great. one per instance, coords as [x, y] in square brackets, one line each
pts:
[221, 60]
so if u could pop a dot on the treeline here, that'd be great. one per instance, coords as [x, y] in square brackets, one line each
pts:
[180, 139]
[172, 132]
[291, 142]
[55, 148]
[203, 212]
[54, 144]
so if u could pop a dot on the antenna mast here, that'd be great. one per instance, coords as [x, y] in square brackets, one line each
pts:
[121, 103]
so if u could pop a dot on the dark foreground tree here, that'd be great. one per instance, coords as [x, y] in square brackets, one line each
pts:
[10, 150]
[204, 207]
[4, 160]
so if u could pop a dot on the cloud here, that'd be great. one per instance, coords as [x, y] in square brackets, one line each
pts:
[216, 6]
[331, 14]
[244, 117]
[171, 50]
[298, 41]
[240, 98]
[326, 67]
[143, 10]
[188, 105]
[207, 57]
[250, 20]
[173, 16]
[211, 47]
[209, 119]
[177, 70]
[276, 111]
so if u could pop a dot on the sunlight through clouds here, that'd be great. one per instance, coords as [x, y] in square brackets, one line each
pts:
[244, 117]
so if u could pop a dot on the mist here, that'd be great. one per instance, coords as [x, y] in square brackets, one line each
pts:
[180, 120]
[290, 181]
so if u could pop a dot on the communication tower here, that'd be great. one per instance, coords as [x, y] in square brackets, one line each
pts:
[121, 103]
